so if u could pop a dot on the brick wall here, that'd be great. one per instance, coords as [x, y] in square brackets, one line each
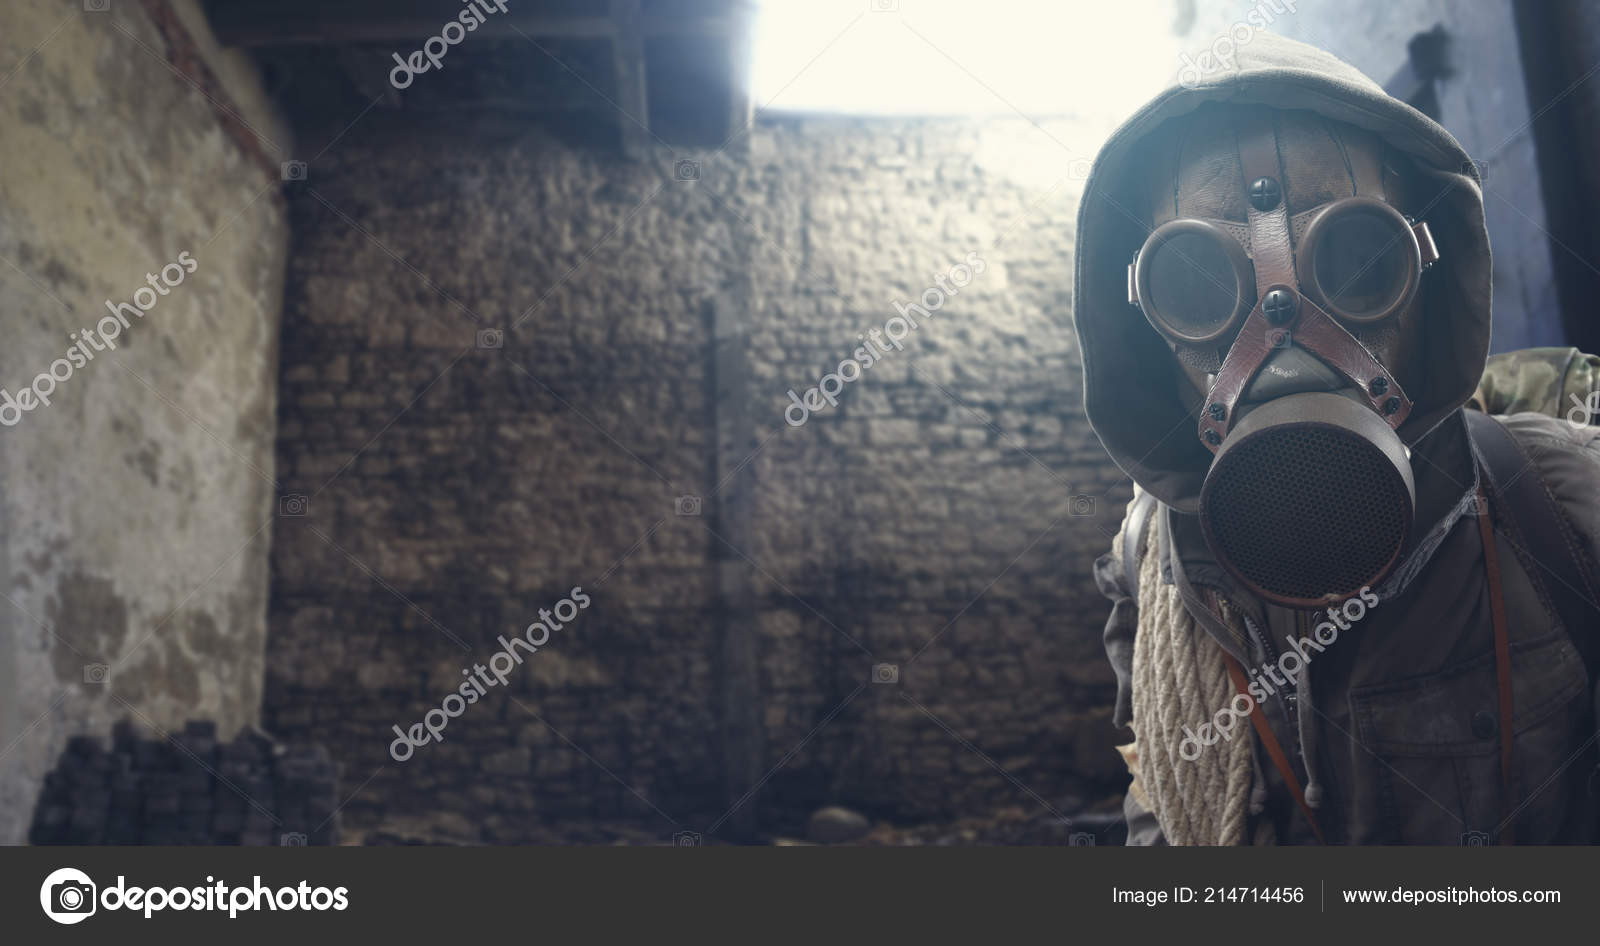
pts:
[650, 329]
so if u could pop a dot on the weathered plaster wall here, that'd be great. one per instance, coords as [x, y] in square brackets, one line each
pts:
[136, 508]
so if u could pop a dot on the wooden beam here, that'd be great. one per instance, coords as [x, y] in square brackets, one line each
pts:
[255, 23]
[633, 99]
[740, 703]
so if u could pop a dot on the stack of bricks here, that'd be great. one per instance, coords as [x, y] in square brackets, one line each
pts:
[189, 789]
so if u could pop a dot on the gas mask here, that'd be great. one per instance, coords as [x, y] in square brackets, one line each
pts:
[1309, 496]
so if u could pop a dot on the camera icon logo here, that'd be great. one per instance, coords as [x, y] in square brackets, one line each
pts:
[885, 673]
[686, 170]
[490, 338]
[884, 6]
[1473, 166]
[96, 6]
[1080, 839]
[1476, 839]
[292, 839]
[67, 896]
[686, 505]
[292, 505]
[96, 673]
[687, 839]
[1078, 169]
[1081, 505]
[294, 170]
[1279, 338]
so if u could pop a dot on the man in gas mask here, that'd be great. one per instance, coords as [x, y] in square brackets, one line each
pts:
[1346, 609]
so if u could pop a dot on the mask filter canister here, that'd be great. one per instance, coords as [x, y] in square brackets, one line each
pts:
[1309, 499]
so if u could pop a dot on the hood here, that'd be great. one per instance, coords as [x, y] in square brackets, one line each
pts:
[1133, 393]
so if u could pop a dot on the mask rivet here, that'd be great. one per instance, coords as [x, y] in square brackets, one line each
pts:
[1212, 437]
[1279, 306]
[1264, 194]
[1217, 412]
[1391, 405]
[1378, 386]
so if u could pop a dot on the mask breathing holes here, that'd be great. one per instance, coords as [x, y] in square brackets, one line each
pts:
[1305, 511]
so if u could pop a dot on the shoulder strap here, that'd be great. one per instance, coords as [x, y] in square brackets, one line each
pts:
[1133, 537]
[1536, 524]
[1269, 741]
[1502, 664]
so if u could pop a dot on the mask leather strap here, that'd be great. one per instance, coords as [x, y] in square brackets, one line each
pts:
[1502, 664]
[1311, 328]
[1270, 244]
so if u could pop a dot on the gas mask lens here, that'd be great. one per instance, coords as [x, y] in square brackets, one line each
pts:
[1359, 259]
[1193, 280]
[1352, 259]
[1364, 260]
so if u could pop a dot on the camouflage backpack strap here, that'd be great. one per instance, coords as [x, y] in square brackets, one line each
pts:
[1537, 527]
[1557, 382]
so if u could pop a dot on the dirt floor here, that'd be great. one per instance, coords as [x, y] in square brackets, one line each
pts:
[1006, 826]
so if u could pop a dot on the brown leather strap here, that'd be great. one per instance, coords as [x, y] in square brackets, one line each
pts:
[1271, 248]
[1318, 332]
[1274, 749]
[1272, 254]
[1502, 663]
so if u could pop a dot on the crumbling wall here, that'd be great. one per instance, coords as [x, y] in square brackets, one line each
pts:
[135, 507]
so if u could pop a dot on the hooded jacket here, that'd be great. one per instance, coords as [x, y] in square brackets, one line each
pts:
[1392, 728]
